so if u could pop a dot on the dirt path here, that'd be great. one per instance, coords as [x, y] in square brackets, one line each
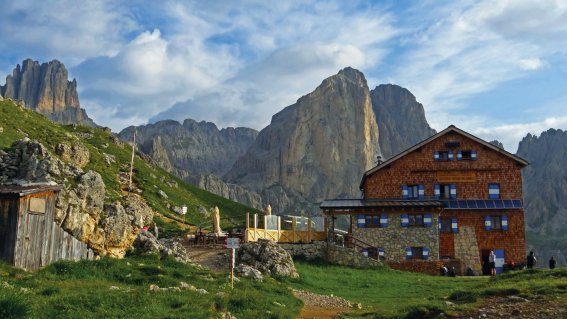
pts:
[321, 306]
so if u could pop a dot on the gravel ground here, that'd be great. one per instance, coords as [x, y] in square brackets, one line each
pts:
[322, 306]
[518, 307]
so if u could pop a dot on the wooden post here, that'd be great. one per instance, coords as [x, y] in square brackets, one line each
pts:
[255, 221]
[132, 164]
[247, 227]
[293, 225]
[279, 227]
[265, 227]
[308, 229]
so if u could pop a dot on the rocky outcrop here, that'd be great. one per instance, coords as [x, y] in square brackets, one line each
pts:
[318, 147]
[400, 118]
[267, 257]
[45, 88]
[193, 147]
[108, 229]
[147, 243]
[545, 193]
[497, 144]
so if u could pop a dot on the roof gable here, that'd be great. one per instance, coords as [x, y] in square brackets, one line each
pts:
[450, 129]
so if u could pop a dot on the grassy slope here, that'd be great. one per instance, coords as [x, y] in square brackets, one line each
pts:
[83, 290]
[393, 293]
[15, 121]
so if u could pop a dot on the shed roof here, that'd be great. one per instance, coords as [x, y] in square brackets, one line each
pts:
[451, 128]
[26, 189]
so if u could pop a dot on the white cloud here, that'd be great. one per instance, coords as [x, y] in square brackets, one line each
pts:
[531, 64]
[510, 135]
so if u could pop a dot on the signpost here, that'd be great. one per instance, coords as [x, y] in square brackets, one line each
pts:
[183, 212]
[232, 243]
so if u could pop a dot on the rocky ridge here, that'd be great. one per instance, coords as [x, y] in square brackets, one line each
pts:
[545, 193]
[45, 88]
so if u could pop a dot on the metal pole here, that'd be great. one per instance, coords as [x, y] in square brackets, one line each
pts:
[232, 270]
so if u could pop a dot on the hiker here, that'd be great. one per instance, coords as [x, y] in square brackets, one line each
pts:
[531, 260]
[552, 263]
[452, 272]
[443, 270]
[492, 263]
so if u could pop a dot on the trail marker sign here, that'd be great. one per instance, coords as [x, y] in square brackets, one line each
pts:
[233, 243]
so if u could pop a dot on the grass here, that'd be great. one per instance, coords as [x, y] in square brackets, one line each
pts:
[18, 123]
[391, 293]
[111, 288]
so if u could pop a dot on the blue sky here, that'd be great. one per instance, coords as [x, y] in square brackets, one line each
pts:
[497, 69]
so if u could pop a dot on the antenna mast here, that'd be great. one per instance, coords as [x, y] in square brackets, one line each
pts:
[132, 163]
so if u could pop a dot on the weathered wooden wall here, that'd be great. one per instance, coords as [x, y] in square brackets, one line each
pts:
[39, 240]
[8, 224]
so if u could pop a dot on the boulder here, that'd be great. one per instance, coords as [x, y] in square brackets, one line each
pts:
[243, 270]
[267, 257]
[75, 153]
[147, 243]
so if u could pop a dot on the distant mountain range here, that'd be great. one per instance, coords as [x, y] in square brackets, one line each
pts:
[315, 149]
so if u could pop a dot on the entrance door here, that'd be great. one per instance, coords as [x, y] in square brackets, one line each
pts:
[485, 264]
[499, 260]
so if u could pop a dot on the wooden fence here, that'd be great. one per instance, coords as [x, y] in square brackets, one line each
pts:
[272, 229]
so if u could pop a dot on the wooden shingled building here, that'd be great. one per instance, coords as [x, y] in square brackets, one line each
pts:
[29, 236]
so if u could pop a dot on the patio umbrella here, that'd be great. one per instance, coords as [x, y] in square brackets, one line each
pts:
[269, 210]
[216, 221]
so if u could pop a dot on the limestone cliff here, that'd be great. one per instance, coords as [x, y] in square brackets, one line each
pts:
[192, 148]
[318, 147]
[400, 118]
[545, 193]
[45, 88]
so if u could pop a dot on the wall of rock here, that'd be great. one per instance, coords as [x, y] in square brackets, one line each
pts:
[350, 257]
[395, 238]
[316, 249]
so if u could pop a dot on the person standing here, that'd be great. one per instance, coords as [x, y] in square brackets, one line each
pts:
[492, 263]
[531, 260]
[552, 263]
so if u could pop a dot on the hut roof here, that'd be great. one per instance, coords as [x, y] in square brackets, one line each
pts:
[26, 189]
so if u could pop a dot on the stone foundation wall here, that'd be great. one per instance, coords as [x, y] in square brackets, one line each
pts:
[395, 238]
[350, 257]
[316, 249]
[422, 266]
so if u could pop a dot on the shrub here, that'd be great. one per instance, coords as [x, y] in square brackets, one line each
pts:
[13, 305]
[423, 312]
[463, 297]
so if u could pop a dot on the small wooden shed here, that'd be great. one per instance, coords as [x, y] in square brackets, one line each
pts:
[29, 237]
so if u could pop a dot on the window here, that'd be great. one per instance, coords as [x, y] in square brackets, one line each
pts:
[416, 220]
[372, 221]
[496, 222]
[37, 205]
[416, 252]
[494, 191]
[445, 191]
[443, 156]
[413, 191]
[466, 155]
[445, 225]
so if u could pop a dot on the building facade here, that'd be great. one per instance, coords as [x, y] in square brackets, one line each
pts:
[451, 198]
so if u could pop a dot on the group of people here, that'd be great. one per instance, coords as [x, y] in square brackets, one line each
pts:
[531, 261]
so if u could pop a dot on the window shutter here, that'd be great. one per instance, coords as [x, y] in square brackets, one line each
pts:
[487, 223]
[437, 191]
[361, 221]
[459, 156]
[504, 222]
[454, 225]
[421, 191]
[384, 220]
[450, 155]
[404, 191]
[405, 220]
[427, 220]
[473, 155]
[493, 191]
[436, 156]
[425, 253]
[408, 253]
[453, 191]
[381, 253]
